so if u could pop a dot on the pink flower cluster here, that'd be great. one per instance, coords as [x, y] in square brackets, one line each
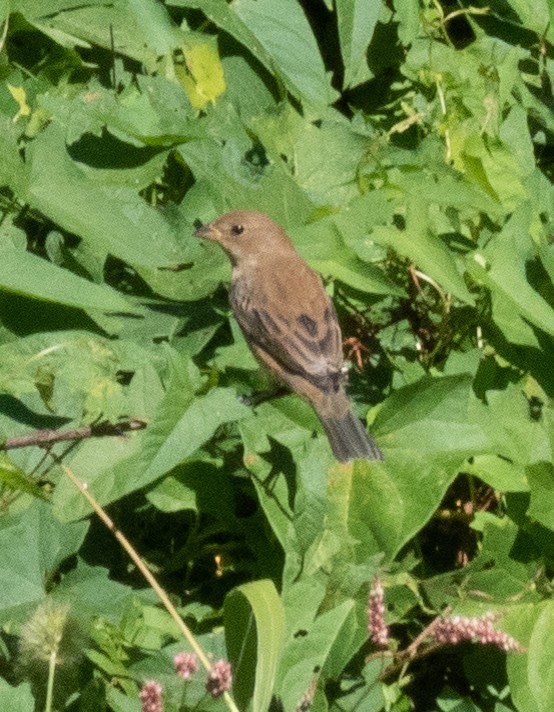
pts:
[186, 664]
[219, 678]
[377, 627]
[151, 697]
[456, 629]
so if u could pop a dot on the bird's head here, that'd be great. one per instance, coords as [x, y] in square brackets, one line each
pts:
[244, 234]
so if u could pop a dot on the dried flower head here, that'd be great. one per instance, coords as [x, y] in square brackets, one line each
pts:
[186, 664]
[151, 697]
[51, 631]
[219, 678]
[377, 627]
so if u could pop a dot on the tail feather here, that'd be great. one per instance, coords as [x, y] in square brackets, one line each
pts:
[349, 439]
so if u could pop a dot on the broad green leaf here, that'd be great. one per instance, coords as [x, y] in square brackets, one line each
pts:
[149, 112]
[409, 18]
[356, 21]
[197, 486]
[114, 469]
[32, 546]
[17, 699]
[246, 89]
[284, 32]
[426, 431]
[97, 593]
[432, 415]
[536, 16]
[493, 166]
[117, 222]
[307, 650]
[82, 24]
[27, 274]
[541, 485]
[365, 504]
[155, 23]
[508, 423]
[428, 251]
[499, 473]
[531, 676]
[495, 570]
[234, 184]
[279, 36]
[254, 627]
[502, 268]
[50, 7]
[343, 149]
[541, 664]
[322, 246]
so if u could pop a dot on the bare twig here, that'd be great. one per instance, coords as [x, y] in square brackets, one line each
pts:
[46, 438]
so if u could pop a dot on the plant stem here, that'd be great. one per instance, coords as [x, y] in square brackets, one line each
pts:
[162, 595]
[50, 684]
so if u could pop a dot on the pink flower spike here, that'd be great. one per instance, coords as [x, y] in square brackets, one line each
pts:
[186, 664]
[219, 678]
[377, 627]
[151, 697]
[480, 629]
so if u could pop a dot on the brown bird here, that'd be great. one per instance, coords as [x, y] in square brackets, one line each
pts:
[290, 323]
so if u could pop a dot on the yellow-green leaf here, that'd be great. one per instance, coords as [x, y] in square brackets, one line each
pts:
[202, 76]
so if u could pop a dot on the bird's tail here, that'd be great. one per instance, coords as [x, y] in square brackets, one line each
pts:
[349, 439]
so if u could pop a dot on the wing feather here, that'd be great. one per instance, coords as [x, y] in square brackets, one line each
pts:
[291, 318]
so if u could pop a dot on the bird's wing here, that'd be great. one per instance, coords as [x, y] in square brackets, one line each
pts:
[290, 318]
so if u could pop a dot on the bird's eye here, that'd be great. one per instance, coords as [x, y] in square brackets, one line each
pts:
[237, 229]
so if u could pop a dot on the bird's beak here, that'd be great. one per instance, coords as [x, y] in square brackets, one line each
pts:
[206, 231]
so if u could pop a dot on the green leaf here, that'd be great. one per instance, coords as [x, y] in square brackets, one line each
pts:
[203, 78]
[97, 593]
[254, 627]
[11, 165]
[114, 221]
[498, 473]
[279, 36]
[494, 167]
[32, 546]
[536, 16]
[366, 508]
[541, 664]
[155, 23]
[181, 425]
[531, 676]
[71, 23]
[17, 699]
[356, 21]
[427, 250]
[433, 415]
[233, 186]
[25, 273]
[541, 485]
[16, 479]
[307, 649]
[343, 149]
[502, 268]
[321, 245]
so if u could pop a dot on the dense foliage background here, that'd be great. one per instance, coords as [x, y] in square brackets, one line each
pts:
[407, 148]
